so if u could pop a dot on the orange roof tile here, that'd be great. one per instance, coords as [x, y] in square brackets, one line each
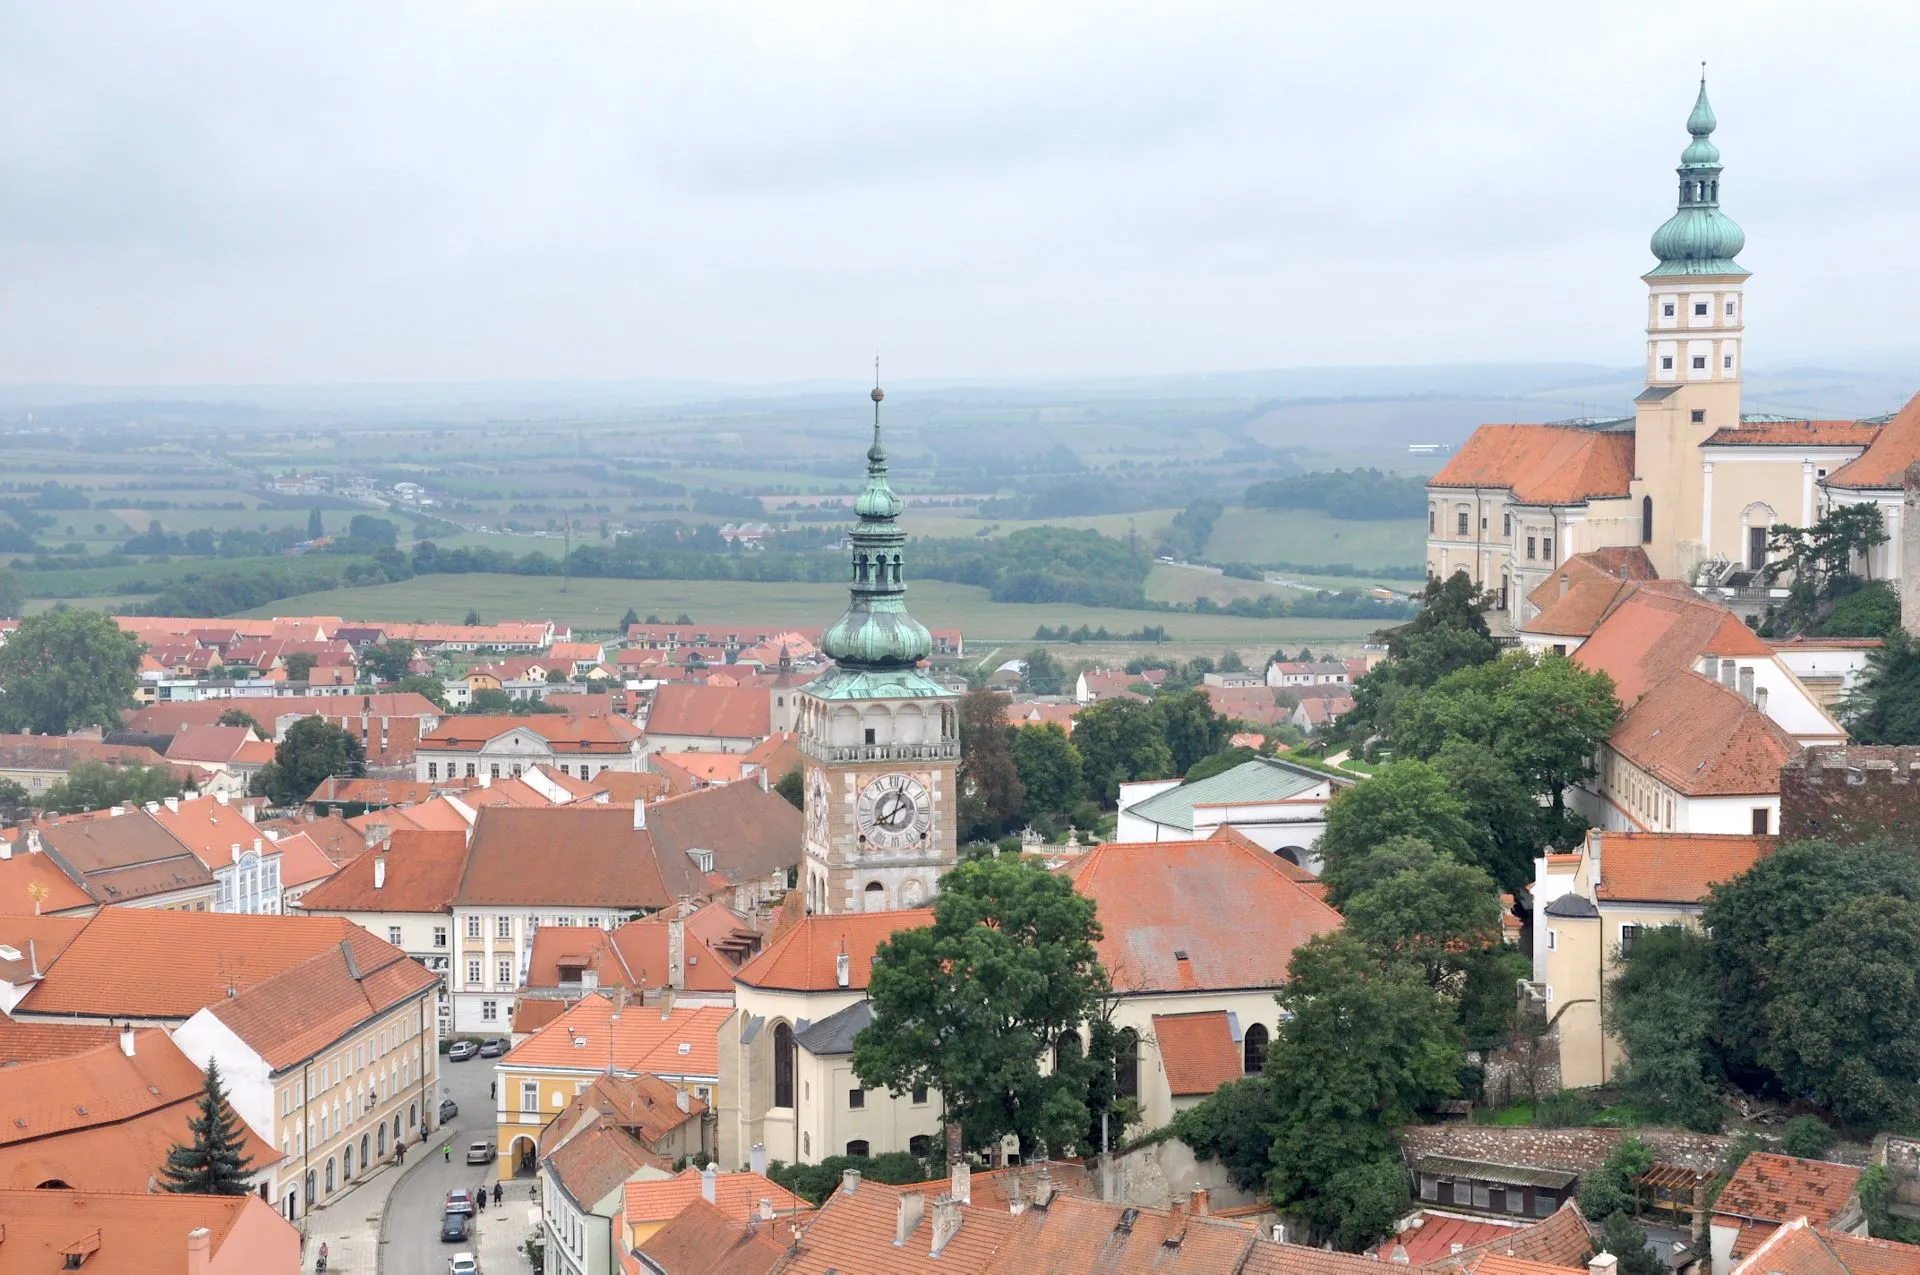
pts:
[154, 963]
[1230, 907]
[1799, 1248]
[646, 1106]
[852, 1234]
[25, 1042]
[171, 717]
[1560, 1240]
[1702, 739]
[722, 712]
[593, 1163]
[701, 1240]
[1795, 434]
[142, 1234]
[1542, 464]
[38, 940]
[1198, 1051]
[563, 732]
[736, 1195]
[1268, 1258]
[579, 855]
[680, 1041]
[1778, 1188]
[210, 828]
[1073, 1235]
[1435, 1234]
[633, 956]
[1660, 867]
[33, 884]
[1660, 627]
[293, 1015]
[302, 862]
[806, 957]
[1579, 610]
[1884, 463]
[531, 1013]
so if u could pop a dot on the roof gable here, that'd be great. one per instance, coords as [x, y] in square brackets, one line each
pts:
[807, 957]
[1543, 464]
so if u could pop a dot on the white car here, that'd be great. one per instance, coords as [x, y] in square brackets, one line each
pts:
[462, 1264]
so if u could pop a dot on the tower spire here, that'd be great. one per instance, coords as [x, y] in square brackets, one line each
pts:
[1699, 239]
[876, 632]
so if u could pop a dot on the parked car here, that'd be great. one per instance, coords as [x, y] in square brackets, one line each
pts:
[459, 1200]
[494, 1047]
[462, 1264]
[480, 1152]
[448, 1109]
[454, 1228]
[461, 1050]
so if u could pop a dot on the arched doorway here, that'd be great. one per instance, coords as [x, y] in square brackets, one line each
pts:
[521, 1155]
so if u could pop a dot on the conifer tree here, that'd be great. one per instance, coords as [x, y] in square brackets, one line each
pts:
[213, 1163]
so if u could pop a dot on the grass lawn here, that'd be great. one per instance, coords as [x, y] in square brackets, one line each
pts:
[1188, 584]
[599, 604]
[1297, 535]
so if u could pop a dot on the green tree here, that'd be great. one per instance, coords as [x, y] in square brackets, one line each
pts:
[627, 621]
[1551, 720]
[1359, 1053]
[312, 750]
[1884, 705]
[299, 665]
[14, 799]
[1217, 764]
[1807, 1137]
[1231, 662]
[388, 661]
[1120, 741]
[1661, 1006]
[1844, 1018]
[1872, 610]
[990, 790]
[1403, 799]
[969, 1004]
[1049, 768]
[472, 618]
[1489, 1014]
[1433, 918]
[13, 599]
[1608, 1189]
[424, 684]
[1190, 726]
[62, 670]
[240, 717]
[1510, 824]
[1621, 1236]
[94, 785]
[213, 1163]
[792, 786]
[1234, 1125]
[316, 528]
[1044, 676]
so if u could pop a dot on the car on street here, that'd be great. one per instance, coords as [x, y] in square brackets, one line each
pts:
[459, 1200]
[453, 1228]
[461, 1050]
[462, 1264]
[494, 1047]
[448, 1109]
[480, 1152]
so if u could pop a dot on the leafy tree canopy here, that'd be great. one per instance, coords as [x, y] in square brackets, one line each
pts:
[312, 750]
[95, 785]
[1049, 768]
[1434, 918]
[1120, 740]
[1661, 1005]
[1403, 799]
[388, 661]
[991, 794]
[65, 669]
[1884, 706]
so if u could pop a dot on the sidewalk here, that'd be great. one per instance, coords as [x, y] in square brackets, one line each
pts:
[349, 1223]
[503, 1229]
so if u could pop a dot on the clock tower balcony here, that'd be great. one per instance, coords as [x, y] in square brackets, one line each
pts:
[927, 750]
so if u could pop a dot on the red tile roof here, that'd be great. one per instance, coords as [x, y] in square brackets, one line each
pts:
[1198, 1050]
[1074, 1235]
[806, 957]
[1799, 1248]
[1676, 867]
[563, 732]
[644, 1039]
[1702, 739]
[633, 956]
[25, 1042]
[1578, 611]
[1882, 465]
[1660, 627]
[596, 1160]
[1795, 434]
[852, 1234]
[1542, 464]
[1434, 1235]
[701, 1240]
[39, 941]
[1779, 1188]
[1236, 914]
[736, 1195]
[142, 1234]
[724, 712]
[171, 717]
[1561, 1240]
[578, 855]
[293, 1015]
[33, 884]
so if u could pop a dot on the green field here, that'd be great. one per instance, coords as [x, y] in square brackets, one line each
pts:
[150, 577]
[1189, 584]
[946, 524]
[1305, 536]
[599, 604]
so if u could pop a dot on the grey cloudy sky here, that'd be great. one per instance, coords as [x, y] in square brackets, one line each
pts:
[347, 192]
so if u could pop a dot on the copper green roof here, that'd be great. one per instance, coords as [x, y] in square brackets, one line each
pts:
[1699, 239]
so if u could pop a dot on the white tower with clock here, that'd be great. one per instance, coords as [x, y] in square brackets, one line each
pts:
[880, 739]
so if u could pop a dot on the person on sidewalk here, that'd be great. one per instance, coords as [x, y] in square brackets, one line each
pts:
[498, 1192]
[446, 1152]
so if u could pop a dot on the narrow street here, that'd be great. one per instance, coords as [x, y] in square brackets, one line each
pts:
[414, 1210]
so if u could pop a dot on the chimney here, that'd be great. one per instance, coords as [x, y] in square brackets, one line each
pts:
[666, 1003]
[639, 814]
[1176, 1224]
[173, 805]
[126, 1040]
[1760, 698]
[1595, 840]
[33, 841]
[1603, 1264]
[152, 807]
[6, 851]
[849, 1181]
[681, 1101]
[589, 980]
[960, 1181]
[220, 797]
[912, 1206]
[946, 1222]
[1729, 674]
[1709, 665]
[1043, 1188]
[757, 1158]
[766, 1208]
[1200, 1203]
[199, 1251]
[707, 1179]
[379, 871]
[1563, 584]
[378, 835]
[676, 952]
[841, 975]
[1746, 683]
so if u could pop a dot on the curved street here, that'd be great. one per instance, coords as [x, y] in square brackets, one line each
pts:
[414, 1209]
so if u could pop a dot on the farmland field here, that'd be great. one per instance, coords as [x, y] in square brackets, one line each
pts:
[599, 604]
[1306, 536]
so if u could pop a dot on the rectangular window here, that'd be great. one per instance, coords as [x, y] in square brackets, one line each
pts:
[1432, 518]
[503, 927]
[495, 768]
[856, 1099]
[1700, 309]
[1429, 1187]
[1543, 1202]
[1666, 362]
[529, 1095]
[1461, 522]
[1666, 310]
[1482, 1195]
[1726, 361]
[489, 1011]
[1553, 940]
[1531, 545]
[393, 935]
[1699, 416]
[1506, 524]
[1699, 362]
[1762, 821]
[469, 769]
[439, 936]
[919, 1095]
[473, 972]
[506, 972]
[1546, 548]
[433, 770]
[1629, 935]
[473, 927]
[1729, 309]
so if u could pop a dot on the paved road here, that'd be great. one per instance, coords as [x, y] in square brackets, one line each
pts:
[415, 1207]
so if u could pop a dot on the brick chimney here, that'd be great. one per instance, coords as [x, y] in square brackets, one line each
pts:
[676, 952]
[1200, 1202]
[911, 1207]
[199, 1251]
[946, 1222]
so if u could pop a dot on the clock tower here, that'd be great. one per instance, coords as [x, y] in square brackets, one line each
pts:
[880, 740]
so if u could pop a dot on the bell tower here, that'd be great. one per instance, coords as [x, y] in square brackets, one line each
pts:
[1696, 317]
[879, 738]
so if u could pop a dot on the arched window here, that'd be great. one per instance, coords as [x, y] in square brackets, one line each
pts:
[346, 1163]
[382, 1147]
[858, 1147]
[329, 1175]
[1646, 520]
[413, 1115]
[876, 897]
[1256, 1048]
[920, 1145]
[783, 1066]
[1126, 1065]
[365, 1145]
[310, 1188]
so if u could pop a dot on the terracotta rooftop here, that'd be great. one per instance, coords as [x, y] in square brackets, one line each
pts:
[1434, 1234]
[1658, 628]
[562, 732]
[1894, 447]
[1542, 464]
[27, 1042]
[305, 1008]
[169, 718]
[751, 831]
[302, 862]
[33, 884]
[1795, 434]
[806, 958]
[736, 1195]
[531, 1013]
[124, 858]
[724, 712]
[155, 963]
[135, 1233]
[1578, 611]
[633, 956]
[1074, 1234]
[1799, 1248]
[1199, 1051]
[1560, 1240]
[212, 745]
[701, 1240]
[678, 1042]
[1702, 739]
[1660, 867]
[573, 855]
[852, 1234]
[1779, 1188]
[37, 942]
[211, 828]
[1196, 914]
[646, 1106]
[594, 1162]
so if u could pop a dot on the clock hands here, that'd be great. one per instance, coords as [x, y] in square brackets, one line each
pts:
[893, 811]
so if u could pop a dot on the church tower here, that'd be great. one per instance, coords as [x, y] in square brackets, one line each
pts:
[880, 740]
[1695, 318]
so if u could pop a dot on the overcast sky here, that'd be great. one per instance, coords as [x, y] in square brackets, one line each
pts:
[322, 193]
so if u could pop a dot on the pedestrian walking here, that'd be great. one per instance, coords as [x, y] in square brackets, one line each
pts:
[446, 1151]
[498, 1191]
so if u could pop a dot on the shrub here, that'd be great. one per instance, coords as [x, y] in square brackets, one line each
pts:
[1807, 1137]
[1564, 1109]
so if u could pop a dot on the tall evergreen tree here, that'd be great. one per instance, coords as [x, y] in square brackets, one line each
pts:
[315, 527]
[212, 1164]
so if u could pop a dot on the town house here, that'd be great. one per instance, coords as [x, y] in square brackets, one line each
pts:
[504, 747]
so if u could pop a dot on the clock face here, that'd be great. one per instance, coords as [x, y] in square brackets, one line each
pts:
[894, 812]
[816, 800]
